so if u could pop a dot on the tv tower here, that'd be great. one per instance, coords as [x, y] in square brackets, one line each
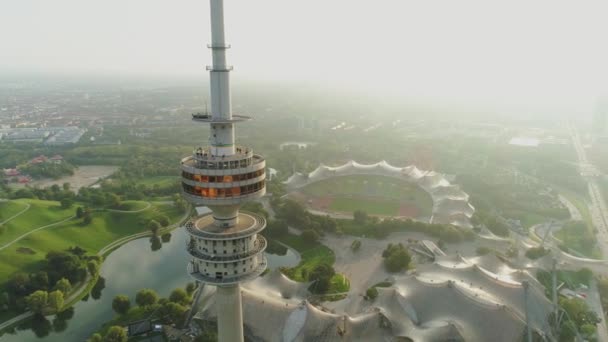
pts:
[225, 247]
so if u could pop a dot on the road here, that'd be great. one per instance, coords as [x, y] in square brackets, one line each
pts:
[599, 216]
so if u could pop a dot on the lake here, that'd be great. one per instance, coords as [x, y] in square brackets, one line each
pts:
[128, 269]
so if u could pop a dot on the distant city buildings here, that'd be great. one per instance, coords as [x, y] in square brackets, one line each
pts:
[52, 136]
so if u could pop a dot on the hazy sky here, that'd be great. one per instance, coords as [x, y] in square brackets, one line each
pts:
[509, 52]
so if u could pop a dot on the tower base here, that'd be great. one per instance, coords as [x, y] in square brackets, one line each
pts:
[229, 313]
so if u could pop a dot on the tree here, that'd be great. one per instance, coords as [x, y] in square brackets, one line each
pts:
[20, 284]
[116, 334]
[66, 186]
[146, 297]
[396, 257]
[114, 200]
[37, 301]
[372, 293]
[40, 280]
[93, 267]
[536, 252]
[360, 216]
[154, 226]
[310, 236]
[87, 217]
[179, 296]
[163, 220]
[55, 300]
[63, 285]
[165, 237]
[321, 275]
[277, 228]
[174, 312]
[121, 304]
[95, 338]
[190, 287]
[66, 203]
[79, 212]
[584, 275]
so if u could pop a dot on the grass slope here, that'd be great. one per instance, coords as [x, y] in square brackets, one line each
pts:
[40, 214]
[312, 256]
[10, 208]
[105, 228]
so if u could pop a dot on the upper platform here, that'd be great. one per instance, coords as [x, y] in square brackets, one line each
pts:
[204, 227]
[208, 118]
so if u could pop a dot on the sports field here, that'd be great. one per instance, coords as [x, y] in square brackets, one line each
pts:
[376, 195]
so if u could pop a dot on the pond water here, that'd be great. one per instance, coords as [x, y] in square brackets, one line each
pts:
[138, 264]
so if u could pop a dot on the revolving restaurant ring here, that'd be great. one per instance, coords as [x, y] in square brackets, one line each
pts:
[194, 271]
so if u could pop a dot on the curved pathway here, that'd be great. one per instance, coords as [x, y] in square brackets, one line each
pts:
[27, 207]
[35, 230]
[67, 219]
[148, 205]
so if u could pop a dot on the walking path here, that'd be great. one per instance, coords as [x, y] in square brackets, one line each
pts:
[35, 230]
[27, 207]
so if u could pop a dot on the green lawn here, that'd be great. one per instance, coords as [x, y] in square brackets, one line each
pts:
[10, 208]
[161, 181]
[377, 195]
[312, 256]
[41, 213]
[370, 206]
[105, 228]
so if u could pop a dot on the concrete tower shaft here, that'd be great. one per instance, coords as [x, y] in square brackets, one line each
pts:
[222, 133]
[224, 245]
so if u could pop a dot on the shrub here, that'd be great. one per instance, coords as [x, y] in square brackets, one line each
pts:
[536, 252]
[372, 293]
[121, 304]
[146, 297]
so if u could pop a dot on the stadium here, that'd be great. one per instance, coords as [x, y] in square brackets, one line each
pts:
[343, 189]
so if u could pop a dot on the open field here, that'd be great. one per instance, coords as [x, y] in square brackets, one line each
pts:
[371, 206]
[161, 181]
[25, 254]
[83, 176]
[376, 195]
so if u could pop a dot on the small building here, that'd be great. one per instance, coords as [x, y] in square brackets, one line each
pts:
[139, 327]
[11, 173]
[56, 159]
[39, 160]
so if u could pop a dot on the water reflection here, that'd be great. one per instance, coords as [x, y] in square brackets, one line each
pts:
[155, 243]
[98, 287]
[128, 269]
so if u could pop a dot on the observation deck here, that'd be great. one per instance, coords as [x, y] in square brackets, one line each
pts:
[208, 118]
[203, 227]
[259, 247]
[195, 273]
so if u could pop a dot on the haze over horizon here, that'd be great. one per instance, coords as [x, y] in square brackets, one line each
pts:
[545, 56]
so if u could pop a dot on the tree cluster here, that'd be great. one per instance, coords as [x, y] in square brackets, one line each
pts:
[60, 269]
[396, 257]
